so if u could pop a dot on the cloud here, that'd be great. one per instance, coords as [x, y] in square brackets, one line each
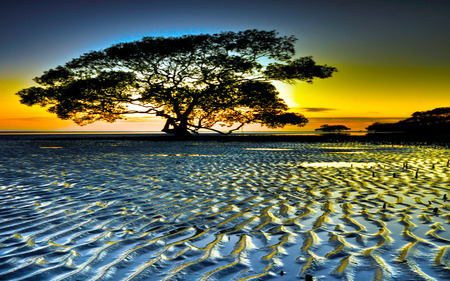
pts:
[362, 119]
[316, 109]
[140, 119]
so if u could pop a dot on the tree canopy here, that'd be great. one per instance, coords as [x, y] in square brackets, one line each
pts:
[436, 121]
[332, 128]
[194, 81]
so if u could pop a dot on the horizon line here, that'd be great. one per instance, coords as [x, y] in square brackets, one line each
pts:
[159, 132]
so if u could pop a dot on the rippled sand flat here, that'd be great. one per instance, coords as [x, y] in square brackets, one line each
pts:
[141, 210]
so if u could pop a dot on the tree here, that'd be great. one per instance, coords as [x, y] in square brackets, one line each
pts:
[436, 121]
[194, 81]
[333, 128]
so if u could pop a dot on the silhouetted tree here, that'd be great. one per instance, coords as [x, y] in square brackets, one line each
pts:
[436, 121]
[333, 128]
[194, 81]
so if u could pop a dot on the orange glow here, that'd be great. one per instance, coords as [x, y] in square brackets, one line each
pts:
[377, 92]
[356, 96]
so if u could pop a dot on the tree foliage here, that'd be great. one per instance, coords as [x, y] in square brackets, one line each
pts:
[436, 121]
[332, 128]
[194, 81]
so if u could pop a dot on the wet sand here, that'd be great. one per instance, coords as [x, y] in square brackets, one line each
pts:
[134, 209]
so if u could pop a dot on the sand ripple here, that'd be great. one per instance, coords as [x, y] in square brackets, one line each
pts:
[137, 210]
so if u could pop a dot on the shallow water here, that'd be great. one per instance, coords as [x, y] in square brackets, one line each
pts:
[141, 210]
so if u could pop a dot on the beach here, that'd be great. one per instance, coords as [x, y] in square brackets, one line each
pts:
[133, 208]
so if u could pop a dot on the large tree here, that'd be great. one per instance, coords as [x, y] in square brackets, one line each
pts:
[194, 81]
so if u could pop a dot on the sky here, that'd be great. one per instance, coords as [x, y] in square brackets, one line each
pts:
[392, 55]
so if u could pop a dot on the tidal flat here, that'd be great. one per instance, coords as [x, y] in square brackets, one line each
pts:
[134, 209]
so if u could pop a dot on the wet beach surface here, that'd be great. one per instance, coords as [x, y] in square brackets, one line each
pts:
[135, 209]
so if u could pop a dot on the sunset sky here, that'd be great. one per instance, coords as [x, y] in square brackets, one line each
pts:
[392, 55]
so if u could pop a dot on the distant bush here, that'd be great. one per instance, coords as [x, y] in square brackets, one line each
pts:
[333, 128]
[436, 121]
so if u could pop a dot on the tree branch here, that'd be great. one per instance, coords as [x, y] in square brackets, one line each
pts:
[215, 130]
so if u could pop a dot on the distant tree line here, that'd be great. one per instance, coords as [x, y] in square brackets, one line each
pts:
[436, 121]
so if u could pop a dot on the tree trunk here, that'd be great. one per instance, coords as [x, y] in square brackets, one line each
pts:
[179, 129]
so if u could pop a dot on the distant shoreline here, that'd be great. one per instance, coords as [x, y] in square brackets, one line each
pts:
[382, 138]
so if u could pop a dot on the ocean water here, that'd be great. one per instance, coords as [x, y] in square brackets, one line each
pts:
[99, 208]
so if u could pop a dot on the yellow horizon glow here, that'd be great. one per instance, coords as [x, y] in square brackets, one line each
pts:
[356, 96]
[371, 91]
